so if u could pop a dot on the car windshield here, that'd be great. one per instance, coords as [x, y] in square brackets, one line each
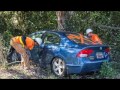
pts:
[78, 38]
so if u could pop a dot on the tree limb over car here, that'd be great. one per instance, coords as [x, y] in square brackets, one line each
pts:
[105, 26]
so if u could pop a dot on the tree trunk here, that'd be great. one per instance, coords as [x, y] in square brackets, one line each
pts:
[61, 19]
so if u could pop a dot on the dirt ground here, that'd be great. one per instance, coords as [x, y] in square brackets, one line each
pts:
[15, 72]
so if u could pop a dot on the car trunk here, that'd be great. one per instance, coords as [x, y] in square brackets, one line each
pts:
[96, 52]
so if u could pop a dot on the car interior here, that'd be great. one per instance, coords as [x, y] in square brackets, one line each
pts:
[51, 39]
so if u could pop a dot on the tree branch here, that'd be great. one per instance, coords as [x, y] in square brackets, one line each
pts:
[105, 26]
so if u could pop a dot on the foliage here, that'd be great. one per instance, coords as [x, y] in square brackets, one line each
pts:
[108, 70]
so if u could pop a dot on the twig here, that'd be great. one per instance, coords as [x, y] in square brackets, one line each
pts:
[13, 62]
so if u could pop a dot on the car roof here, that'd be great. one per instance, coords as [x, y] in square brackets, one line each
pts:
[61, 32]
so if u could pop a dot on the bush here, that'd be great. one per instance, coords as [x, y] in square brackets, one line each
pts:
[108, 70]
[6, 38]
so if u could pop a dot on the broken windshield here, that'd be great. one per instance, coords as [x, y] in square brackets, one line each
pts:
[79, 38]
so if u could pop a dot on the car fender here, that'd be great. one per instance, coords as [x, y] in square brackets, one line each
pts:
[59, 56]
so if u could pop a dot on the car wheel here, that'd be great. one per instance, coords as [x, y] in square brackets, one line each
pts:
[58, 67]
[14, 57]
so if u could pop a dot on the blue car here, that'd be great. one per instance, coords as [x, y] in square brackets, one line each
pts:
[66, 56]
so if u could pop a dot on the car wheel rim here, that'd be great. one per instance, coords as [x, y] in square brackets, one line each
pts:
[14, 57]
[58, 66]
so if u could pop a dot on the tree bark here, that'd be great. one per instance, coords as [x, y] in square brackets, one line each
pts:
[61, 19]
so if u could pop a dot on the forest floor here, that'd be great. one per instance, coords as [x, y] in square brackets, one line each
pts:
[15, 72]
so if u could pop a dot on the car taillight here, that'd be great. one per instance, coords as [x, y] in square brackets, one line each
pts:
[107, 50]
[85, 53]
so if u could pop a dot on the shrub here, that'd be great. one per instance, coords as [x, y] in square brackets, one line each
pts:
[108, 71]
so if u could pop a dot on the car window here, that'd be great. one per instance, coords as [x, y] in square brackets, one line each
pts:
[76, 38]
[37, 34]
[51, 39]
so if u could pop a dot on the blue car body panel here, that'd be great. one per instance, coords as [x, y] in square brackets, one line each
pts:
[67, 51]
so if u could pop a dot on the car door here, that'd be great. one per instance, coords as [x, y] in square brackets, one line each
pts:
[50, 45]
[37, 50]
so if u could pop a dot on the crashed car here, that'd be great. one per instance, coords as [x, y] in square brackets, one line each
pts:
[68, 56]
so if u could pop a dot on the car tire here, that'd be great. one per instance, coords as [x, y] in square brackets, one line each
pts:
[58, 67]
[14, 57]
